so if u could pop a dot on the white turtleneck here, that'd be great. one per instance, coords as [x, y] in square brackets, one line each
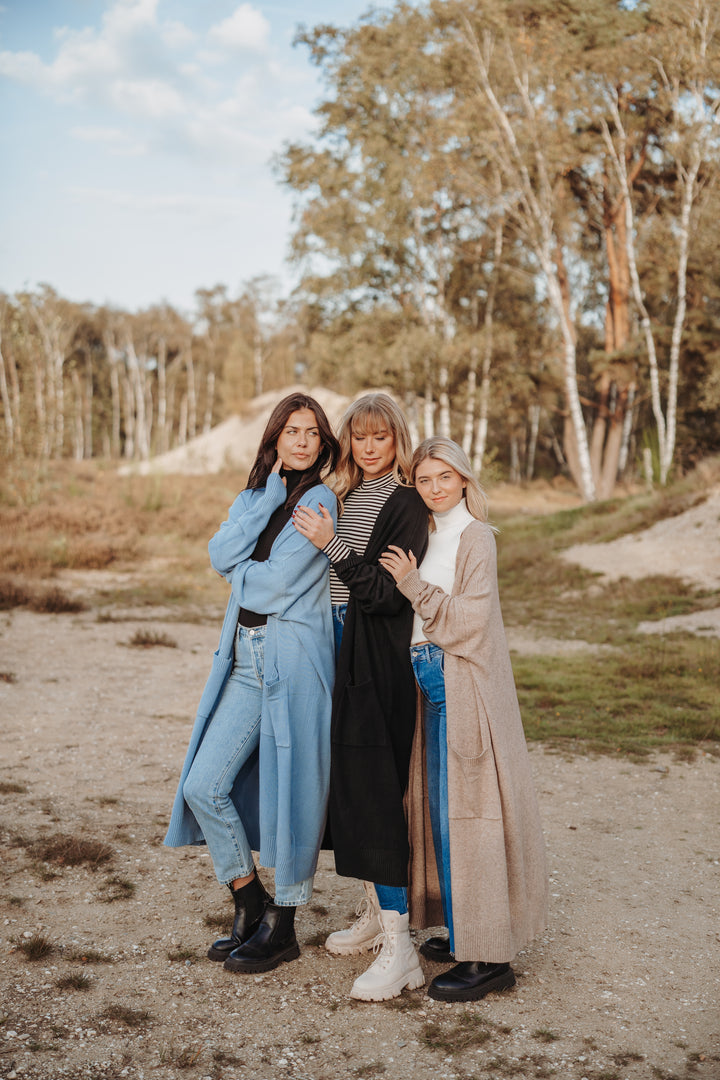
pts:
[438, 566]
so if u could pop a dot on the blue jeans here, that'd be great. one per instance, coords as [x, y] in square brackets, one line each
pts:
[390, 897]
[339, 611]
[231, 738]
[428, 664]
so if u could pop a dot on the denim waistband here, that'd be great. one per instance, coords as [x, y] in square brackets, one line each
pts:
[251, 631]
[424, 648]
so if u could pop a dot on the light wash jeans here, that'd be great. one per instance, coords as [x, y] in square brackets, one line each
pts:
[428, 664]
[390, 897]
[231, 738]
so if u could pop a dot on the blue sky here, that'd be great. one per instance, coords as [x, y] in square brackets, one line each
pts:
[136, 138]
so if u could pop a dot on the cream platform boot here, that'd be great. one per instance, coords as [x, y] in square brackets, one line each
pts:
[360, 936]
[397, 965]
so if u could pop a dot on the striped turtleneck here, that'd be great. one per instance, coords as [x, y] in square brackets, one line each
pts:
[355, 526]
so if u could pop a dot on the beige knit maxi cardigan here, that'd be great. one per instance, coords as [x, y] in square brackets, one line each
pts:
[497, 850]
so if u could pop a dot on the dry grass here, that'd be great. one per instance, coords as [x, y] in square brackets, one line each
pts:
[52, 601]
[37, 947]
[86, 517]
[146, 639]
[86, 956]
[130, 1018]
[71, 851]
[117, 888]
[77, 980]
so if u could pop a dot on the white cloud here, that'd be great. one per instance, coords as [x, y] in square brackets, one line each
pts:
[246, 29]
[148, 97]
[118, 142]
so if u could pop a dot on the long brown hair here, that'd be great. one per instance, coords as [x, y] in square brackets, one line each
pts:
[371, 412]
[267, 452]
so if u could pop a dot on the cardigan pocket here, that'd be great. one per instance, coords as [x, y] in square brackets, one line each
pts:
[278, 711]
[472, 776]
[363, 722]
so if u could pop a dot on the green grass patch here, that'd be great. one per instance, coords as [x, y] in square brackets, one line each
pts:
[653, 694]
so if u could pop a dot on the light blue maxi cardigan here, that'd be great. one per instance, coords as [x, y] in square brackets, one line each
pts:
[281, 794]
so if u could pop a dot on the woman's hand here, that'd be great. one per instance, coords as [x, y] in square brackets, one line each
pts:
[318, 528]
[277, 467]
[397, 562]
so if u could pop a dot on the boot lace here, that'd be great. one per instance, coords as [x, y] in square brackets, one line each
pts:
[382, 946]
[364, 911]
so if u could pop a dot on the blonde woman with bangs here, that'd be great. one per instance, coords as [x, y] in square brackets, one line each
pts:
[373, 713]
[478, 854]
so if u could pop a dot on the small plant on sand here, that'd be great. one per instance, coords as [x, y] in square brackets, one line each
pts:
[180, 1059]
[146, 639]
[466, 1030]
[407, 1002]
[373, 1068]
[37, 947]
[183, 952]
[8, 677]
[221, 1057]
[131, 1018]
[76, 980]
[545, 1035]
[86, 956]
[217, 921]
[55, 602]
[10, 787]
[72, 851]
[116, 888]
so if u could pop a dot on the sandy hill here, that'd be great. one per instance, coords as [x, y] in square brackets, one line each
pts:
[233, 443]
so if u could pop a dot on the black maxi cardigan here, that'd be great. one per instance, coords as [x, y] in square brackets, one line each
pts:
[373, 712]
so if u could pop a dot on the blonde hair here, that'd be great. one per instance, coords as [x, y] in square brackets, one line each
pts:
[439, 448]
[371, 412]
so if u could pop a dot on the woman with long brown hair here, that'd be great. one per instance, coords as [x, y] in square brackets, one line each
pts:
[257, 771]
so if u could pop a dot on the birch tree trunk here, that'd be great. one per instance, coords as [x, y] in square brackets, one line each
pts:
[7, 406]
[535, 205]
[78, 430]
[163, 434]
[209, 400]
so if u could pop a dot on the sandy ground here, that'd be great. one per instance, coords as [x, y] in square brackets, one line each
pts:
[625, 982]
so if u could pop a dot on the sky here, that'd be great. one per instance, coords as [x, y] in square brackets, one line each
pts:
[136, 140]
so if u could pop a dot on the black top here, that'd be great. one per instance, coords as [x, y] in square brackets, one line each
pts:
[261, 553]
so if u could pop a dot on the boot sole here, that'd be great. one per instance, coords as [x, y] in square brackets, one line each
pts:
[474, 993]
[412, 982]
[351, 950]
[251, 967]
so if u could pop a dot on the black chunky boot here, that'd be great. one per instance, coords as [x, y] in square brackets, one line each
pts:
[250, 901]
[272, 943]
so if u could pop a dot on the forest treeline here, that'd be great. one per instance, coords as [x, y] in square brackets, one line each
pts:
[507, 215]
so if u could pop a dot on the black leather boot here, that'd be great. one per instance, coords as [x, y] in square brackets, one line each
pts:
[437, 949]
[272, 943]
[471, 980]
[250, 901]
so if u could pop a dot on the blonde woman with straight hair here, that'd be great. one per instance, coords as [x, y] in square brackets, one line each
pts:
[373, 713]
[479, 868]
